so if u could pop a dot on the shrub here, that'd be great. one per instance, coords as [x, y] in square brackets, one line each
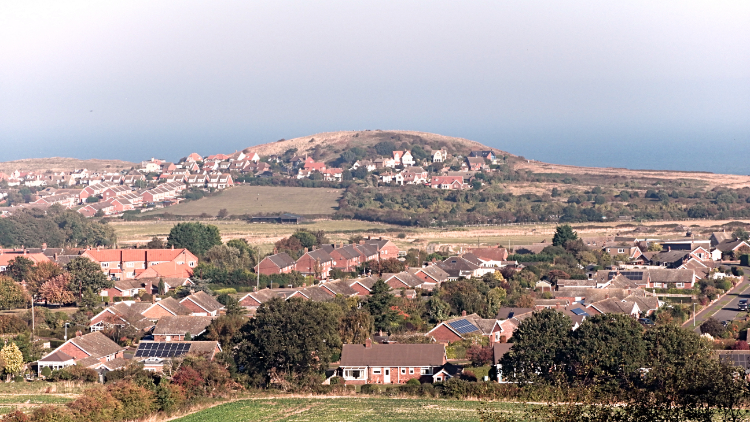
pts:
[413, 381]
[369, 389]
[18, 378]
[337, 380]
[401, 236]
[51, 414]
[190, 381]
[95, 405]
[12, 324]
[468, 376]
[16, 416]
[75, 373]
[135, 402]
[46, 372]
[479, 355]
[169, 397]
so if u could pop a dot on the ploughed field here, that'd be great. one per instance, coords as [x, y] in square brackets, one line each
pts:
[349, 409]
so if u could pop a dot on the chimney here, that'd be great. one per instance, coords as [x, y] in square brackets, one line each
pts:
[44, 246]
[305, 250]
[275, 251]
[463, 313]
[669, 248]
[79, 333]
[368, 344]
[362, 242]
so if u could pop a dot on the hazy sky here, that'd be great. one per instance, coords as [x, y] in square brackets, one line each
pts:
[582, 82]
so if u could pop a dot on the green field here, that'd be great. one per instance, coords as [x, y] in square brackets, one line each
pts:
[346, 409]
[262, 199]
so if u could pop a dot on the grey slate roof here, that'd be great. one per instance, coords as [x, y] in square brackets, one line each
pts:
[96, 344]
[205, 301]
[282, 260]
[179, 325]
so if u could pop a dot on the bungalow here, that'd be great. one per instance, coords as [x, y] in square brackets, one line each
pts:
[415, 176]
[154, 355]
[491, 256]
[333, 174]
[202, 304]
[390, 363]
[166, 307]
[432, 276]
[363, 285]
[174, 328]
[499, 350]
[93, 345]
[458, 267]
[103, 207]
[127, 288]
[402, 280]
[122, 314]
[369, 165]
[467, 326]
[730, 249]
[475, 163]
[614, 306]
[219, 181]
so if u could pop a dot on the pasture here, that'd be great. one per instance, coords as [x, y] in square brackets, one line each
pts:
[251, 200]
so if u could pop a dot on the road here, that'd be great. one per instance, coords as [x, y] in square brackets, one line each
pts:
[726, 307]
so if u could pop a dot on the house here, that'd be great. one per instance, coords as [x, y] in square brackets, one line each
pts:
[333, 174]
[685, 244]
[499, 350]
[133, 263]
[448, 182]
[7, 255]
[346, 257]
[128, 288]
[458, 267]
[431, 275]
[78, 349]
[615, 306]
[487, 155]
[491, 256]
[467, 326]
[339, 287]
[155, 355]
[402, 280]
[362, 285]
[415, 176]
[475, 163]
[317, 263]
[102, 208]
[484, 267]
[439, 156]
[170, 283]
[369, 165]
[390, 363]
[219, 181]
[407, 159]
[279, 263]
[672, 278]
[729, 248]
[630, 252]
[122, 314]
[386, 249]
[166, 307]
[202, 304]
[193, 158]
[174, 328]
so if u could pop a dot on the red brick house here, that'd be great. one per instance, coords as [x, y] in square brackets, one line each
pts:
[122, 314]
[317, 263]
[346, 258]
[280, 263]
[431, 275]
[154, 355]
[202, 304]
[386, 249]
[115, 191]
[494, 256]
[93, 345]
[128, 288]
[448, 182]
[390, 363]
[131, 263]
[363, 286]
[166, 307]
[402, 280]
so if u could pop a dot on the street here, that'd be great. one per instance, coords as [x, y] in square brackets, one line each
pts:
[726, 308]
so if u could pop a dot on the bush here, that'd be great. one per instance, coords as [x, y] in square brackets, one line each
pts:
[227, 291]
[12, 324]
[46, 372]
[369, 389]
[16, 416]
[413, 381]
[18, 378]
[337, 380]
[75, 373]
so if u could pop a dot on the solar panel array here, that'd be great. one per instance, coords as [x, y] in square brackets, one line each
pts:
[579, 312]
[631, 275]
[737, 359]
[161, 350]
[463, 326]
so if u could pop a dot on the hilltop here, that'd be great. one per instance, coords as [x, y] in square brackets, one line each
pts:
[331, 144]
[63, 164]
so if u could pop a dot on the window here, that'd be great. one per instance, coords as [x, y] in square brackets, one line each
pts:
[129, 264]
[191, 263]
[403, 371]
[680, 285]
[620, 250]
[105, 264]
[376, 371]
[411, 370]
[427, 371]
[356, 374]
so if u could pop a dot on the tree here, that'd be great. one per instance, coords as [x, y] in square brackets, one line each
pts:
[356, 326]
[437, 310]
[606, 348]
[20, 268]
[13, 359]
[563, 234]
[293, 339]
[741, 234]
[226, 329]
[223, 213]
[654, 247]
[306, 239]
[539, 345]
[11, 293]
[713, 327]
[465, 295]
[42, 272]
[155, 243]
[162, 287]
[57, 290]
[196, 237]
[380, 304]
[86, 275]
[495, 298]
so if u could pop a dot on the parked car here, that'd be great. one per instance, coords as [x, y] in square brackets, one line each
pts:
[646, 321]
[742, 305]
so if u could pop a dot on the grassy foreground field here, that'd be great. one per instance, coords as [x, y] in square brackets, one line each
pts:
[262, 199]
[347, 409]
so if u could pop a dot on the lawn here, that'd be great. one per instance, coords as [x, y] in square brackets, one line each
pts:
[346, 409]
[262, 199]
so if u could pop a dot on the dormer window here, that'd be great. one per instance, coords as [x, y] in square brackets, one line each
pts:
[105, 264]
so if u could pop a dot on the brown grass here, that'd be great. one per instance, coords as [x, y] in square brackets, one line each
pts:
[63, 164]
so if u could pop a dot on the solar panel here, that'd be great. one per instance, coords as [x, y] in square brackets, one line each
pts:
[579, 312]
[162, 350]
[463, 326]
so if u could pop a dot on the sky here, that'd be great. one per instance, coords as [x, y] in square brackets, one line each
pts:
[638, 84]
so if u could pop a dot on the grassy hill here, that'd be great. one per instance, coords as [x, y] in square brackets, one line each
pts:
[331, 144]
[262, 199]
[63, 164]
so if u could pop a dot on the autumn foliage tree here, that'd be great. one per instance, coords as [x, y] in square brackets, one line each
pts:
[56, 290]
